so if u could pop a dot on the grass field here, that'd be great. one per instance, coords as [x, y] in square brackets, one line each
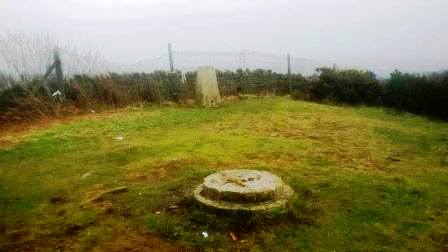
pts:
[365, 179]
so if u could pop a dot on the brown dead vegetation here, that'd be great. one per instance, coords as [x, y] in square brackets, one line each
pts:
[162, 170]
[126, 239]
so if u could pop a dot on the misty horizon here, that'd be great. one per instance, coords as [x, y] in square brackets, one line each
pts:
[381, 36]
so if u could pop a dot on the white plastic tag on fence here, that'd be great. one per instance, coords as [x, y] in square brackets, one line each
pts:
[56, 93]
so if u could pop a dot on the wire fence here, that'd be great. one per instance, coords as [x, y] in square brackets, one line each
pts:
[187, 61]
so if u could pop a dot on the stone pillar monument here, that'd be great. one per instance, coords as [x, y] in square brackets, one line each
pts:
[207, 91]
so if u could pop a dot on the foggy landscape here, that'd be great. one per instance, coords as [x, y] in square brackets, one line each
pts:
[223, 125]
[408, 35]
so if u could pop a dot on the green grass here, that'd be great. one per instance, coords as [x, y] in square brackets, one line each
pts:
[364, 179]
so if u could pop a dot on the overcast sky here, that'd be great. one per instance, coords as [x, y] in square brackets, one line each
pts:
[382, 34]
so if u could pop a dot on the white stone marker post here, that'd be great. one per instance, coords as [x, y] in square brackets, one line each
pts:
[207, 91]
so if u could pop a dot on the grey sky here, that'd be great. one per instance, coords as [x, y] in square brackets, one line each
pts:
[410, 35]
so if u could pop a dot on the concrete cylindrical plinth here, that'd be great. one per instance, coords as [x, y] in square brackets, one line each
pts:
[243, 190]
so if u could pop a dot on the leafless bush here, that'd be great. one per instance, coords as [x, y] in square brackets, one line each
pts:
[27, 57]
[23, 56]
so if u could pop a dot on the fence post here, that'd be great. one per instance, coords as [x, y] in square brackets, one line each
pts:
[58, 65]
[170, 55]
[288, 58]
[242, 59]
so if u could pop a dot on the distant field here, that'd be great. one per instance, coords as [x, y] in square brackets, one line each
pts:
[364, 179]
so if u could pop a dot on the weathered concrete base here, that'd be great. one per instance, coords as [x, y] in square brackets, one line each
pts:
[250, 190]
